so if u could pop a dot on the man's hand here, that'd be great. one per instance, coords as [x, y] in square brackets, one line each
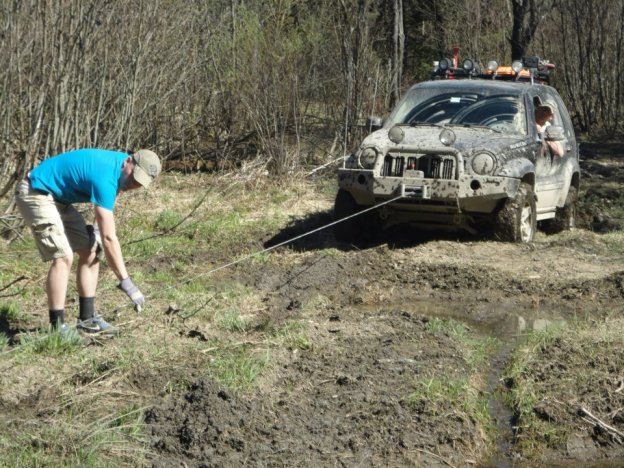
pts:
[133, 293]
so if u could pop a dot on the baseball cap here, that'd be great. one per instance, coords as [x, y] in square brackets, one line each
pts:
[146, 167]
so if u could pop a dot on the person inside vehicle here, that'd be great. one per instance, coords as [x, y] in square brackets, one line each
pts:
[543, 117]
[45, 199]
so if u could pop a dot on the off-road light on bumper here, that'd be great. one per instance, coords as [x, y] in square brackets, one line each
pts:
[368, 156]
[447, 137]
[396, 134]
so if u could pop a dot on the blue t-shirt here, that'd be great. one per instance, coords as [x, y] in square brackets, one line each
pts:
[81, 176]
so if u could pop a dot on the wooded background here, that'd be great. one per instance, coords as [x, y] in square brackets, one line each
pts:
[281, 84]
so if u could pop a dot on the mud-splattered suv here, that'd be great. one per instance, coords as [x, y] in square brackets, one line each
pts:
[463, 151]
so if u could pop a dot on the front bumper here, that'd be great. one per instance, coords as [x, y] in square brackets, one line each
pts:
[467, 193]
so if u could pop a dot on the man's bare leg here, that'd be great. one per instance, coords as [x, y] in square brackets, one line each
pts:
[56, 287]
[87, 273]
[56, 283]
[87, 279]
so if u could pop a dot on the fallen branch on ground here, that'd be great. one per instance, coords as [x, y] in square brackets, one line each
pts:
[16, 280]
[617, 435]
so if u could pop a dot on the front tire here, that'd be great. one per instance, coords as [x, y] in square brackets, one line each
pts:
[517, 219]
[356, 229]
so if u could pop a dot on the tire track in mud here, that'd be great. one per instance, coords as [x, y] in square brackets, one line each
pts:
[344, 402]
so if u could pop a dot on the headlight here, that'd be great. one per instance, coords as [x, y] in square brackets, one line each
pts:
[483, 163]
[368, 156]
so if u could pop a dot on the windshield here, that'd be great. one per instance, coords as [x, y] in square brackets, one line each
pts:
[500, 112]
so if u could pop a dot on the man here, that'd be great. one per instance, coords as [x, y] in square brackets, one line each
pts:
[45, 201]
[543, 117]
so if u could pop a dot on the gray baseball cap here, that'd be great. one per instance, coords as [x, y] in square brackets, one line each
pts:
[146, 167]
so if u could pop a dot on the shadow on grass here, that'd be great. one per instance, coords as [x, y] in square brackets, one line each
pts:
[315, 232]
[11, 332]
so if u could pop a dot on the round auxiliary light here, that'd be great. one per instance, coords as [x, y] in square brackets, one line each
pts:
[483, 163]
[445, 64]
[368, 156]
[396, 134]
[492, 65]
[447, 137]
[468, 65]
[517, 66]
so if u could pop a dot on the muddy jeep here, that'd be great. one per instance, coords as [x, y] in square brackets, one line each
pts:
[462, 151]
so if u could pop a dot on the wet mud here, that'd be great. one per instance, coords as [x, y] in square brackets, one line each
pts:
[348, 400]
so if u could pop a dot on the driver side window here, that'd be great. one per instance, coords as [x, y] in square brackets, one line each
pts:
[555, 119]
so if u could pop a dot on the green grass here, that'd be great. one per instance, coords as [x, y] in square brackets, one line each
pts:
[292, 336]
[4, 342]
[111, 440]
[445, 392]
[53, 343]
[443, 395]
[231, 321]
[476, 349]
[238, 367]
[437, 394]
[10, 311]
[566, 362]
[168, 219]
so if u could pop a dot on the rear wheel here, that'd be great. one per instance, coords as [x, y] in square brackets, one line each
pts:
[356, 229]
[517, 220]
[565, 217]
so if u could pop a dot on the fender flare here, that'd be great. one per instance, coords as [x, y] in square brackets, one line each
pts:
[521, 169]
[517, 168]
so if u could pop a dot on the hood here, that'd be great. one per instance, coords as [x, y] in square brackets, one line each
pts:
[467, 139]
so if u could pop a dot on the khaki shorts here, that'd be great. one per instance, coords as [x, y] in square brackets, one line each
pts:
[58, 229]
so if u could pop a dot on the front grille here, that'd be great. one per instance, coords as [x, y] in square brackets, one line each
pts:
[433, 166]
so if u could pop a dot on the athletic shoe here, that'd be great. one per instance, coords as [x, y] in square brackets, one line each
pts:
[97, 325]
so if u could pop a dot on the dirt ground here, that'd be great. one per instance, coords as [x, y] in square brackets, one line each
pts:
[343, 400]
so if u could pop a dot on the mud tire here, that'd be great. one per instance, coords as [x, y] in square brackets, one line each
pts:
[358, 229]
[517, 219]
[565, 217]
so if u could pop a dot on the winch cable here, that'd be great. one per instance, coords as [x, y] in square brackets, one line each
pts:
[263, 251]
[242, 259]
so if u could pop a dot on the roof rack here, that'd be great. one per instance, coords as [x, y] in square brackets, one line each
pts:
[530, 69]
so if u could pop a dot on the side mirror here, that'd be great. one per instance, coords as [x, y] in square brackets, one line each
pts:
[374, 123]
[554, 133]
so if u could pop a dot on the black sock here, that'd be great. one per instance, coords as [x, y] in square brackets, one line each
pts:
[57, 317]
[87, 308]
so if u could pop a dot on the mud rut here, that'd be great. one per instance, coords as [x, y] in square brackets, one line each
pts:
[343, 402]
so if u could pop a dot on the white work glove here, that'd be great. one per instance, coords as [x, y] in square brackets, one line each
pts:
[133, 293]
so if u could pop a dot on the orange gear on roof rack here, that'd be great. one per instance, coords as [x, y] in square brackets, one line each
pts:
[507, 70]
[530, 68]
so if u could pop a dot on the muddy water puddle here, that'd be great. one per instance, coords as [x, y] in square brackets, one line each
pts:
[497, 321]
